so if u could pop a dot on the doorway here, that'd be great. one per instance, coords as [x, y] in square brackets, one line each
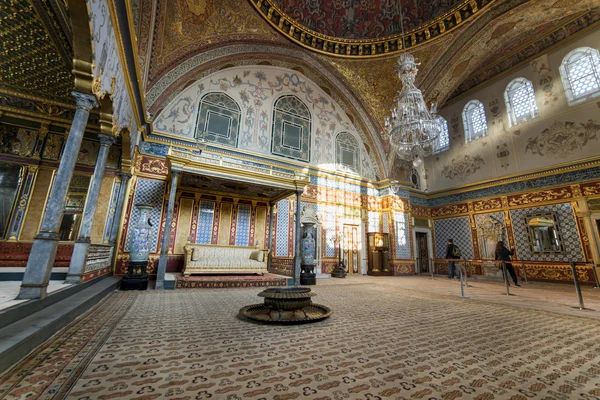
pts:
[351, 246]
[422, 252]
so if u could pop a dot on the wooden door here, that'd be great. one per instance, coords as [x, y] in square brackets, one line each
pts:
[422, 251]
[351, 245]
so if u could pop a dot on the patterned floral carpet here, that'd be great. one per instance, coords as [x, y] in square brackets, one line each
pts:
[381, 342]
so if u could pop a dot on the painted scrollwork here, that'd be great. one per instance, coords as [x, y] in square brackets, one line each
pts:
[489, 204]
[540, 196]
[563, 138]
[454, 209]
[462, 169]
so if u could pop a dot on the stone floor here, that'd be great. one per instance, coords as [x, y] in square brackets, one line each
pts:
[389, 338]
[9, 291]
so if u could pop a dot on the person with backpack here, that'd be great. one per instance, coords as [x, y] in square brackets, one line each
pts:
[452, 253]
[503, 254]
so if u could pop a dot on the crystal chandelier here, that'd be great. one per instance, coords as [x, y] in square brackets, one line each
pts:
[413, 129]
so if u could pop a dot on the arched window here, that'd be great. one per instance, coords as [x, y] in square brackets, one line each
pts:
[346, 153]
[291, 129]
[580, 73]
[520, 101]
[415, 179]
[218, 119]
[443, 141]
[474, 121]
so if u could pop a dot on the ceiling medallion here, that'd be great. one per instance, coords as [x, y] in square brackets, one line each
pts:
[368, 48]
[413, 129]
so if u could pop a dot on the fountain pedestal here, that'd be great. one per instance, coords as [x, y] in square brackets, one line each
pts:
[286, 305]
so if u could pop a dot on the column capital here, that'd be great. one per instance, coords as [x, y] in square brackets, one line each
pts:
[85, 101]
[125, 176]
[175, 173]
[106, 140]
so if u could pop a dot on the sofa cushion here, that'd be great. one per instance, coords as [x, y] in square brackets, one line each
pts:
[257, 255]
[196, 254]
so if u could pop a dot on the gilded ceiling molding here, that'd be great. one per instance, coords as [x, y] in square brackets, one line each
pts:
[119, 13]
[82, 45]
[369, 48]
[177, 77]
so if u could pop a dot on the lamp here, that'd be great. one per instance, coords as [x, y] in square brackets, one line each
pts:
[412, 129]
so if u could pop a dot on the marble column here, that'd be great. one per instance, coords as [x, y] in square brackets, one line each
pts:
[269, 244]
[164, 247]
[298, 239]
[43, 251]
[79, 257]
[114, 230]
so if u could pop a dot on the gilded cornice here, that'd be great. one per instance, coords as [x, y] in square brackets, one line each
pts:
[369, 48]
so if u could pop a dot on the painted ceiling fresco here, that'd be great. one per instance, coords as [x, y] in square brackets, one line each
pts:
[183, 40]
[363, 19]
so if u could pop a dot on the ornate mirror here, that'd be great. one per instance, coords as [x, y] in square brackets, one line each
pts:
[544, 233]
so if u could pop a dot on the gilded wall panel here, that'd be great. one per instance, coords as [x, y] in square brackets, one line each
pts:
[225, 223]
[261, 230]
[184, 222]
[102, 209]
[37, 205]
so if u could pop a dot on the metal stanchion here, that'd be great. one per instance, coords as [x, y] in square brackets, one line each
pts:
[462, 285]
[505, 273]
[595, 276]
[524, 271]
[463, 271]
[577, 288]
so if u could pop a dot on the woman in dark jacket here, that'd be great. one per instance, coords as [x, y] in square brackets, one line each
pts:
[503, 254]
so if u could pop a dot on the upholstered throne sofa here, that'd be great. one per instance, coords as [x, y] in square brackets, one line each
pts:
[218, 259]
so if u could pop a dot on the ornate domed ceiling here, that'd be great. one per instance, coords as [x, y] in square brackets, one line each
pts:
[363, 19]
[366, 28]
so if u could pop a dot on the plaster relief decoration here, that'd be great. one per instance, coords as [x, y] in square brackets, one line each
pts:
[546, 81]
[496, 110]
[455, 124]
[17, 141]
[255, 90]
[88, 152]
[564, 138]
[503, 155]
[107, 69]
[464, 168]
[52, 147]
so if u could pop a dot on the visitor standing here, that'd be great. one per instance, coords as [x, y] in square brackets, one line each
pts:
[503, 254]
[452, 254]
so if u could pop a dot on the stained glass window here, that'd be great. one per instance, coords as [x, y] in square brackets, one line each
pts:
[580, 72]
[474, 121]
[291, 129]
[347, 151]
[443, 141]
[218, 119]
[520, 101]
